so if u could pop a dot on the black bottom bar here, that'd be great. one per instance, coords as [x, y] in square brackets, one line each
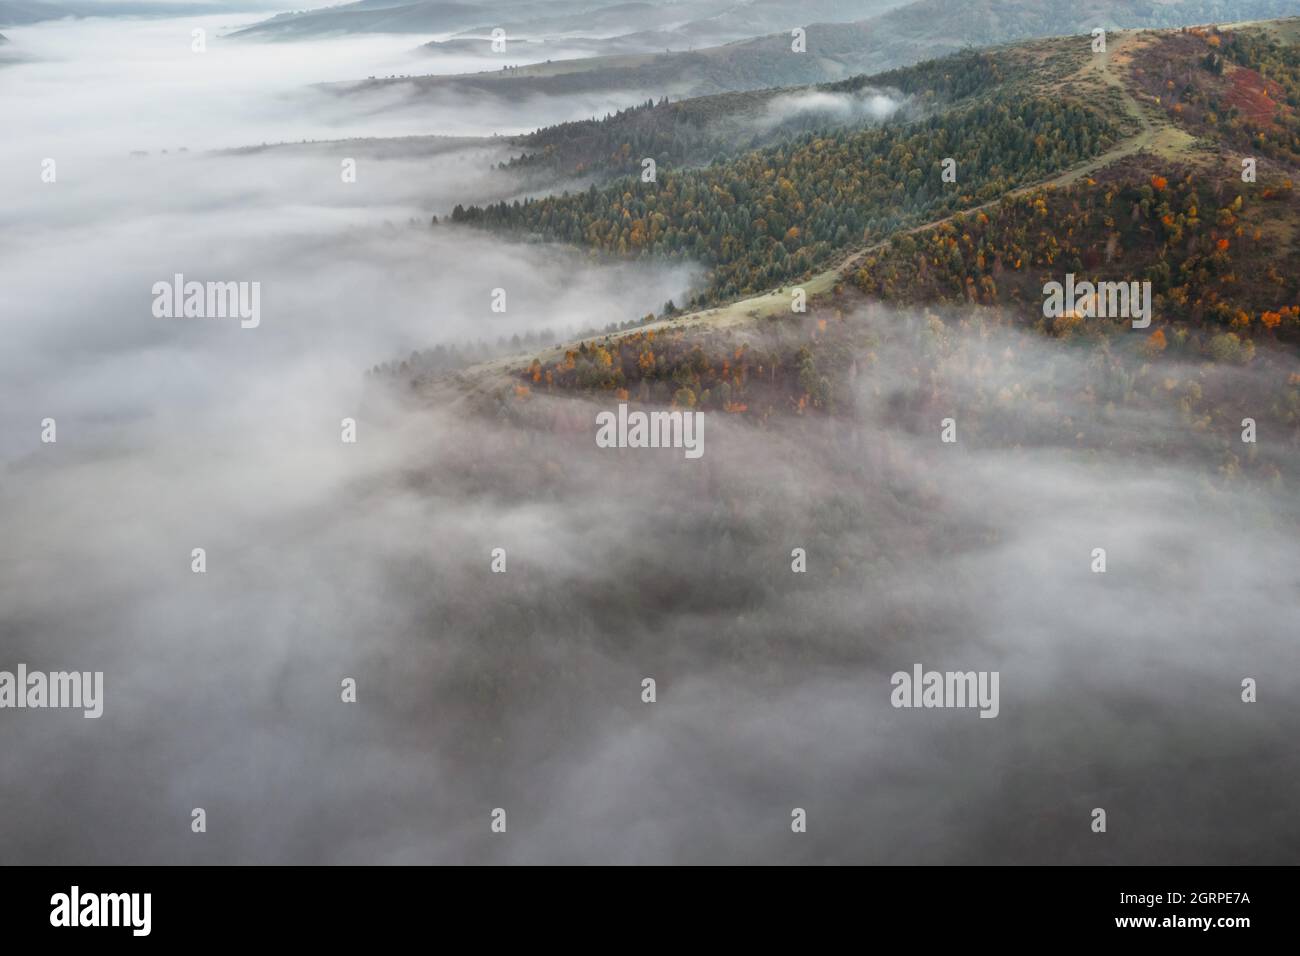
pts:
[335, 905]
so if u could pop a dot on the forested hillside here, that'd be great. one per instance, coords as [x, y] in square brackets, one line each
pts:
[1126, 167]
[778, 212]
[702, 129]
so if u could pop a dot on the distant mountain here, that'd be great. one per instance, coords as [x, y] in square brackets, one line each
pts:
[15, 13]
[652, 27]
[921, 30]
[19, 12]
[606, 21]
[636, 25]
[395, 16]
[10, 53]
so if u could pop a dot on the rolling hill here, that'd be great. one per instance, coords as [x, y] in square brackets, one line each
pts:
[637, 28]
[23, 12]
[367, 16]
[1155, 194]
[607, 26]
[534, 17]
[778, 211]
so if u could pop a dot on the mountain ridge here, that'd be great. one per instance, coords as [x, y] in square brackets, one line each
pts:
[1211, 304]
[904, 35]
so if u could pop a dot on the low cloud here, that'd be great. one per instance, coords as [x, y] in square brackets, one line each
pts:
[866, 105]
[522, 690]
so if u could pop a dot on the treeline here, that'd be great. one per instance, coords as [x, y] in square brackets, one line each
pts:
[441, 359]
[948, 79]
[777, 213]
[615, 142]
[423, 365]
[795, 367]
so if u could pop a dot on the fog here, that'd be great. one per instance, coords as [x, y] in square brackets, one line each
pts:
[860, 106]
[522, 690]
[112, 86]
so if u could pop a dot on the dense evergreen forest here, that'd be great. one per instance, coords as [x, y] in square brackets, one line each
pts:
[774, 214]
[703, 129]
